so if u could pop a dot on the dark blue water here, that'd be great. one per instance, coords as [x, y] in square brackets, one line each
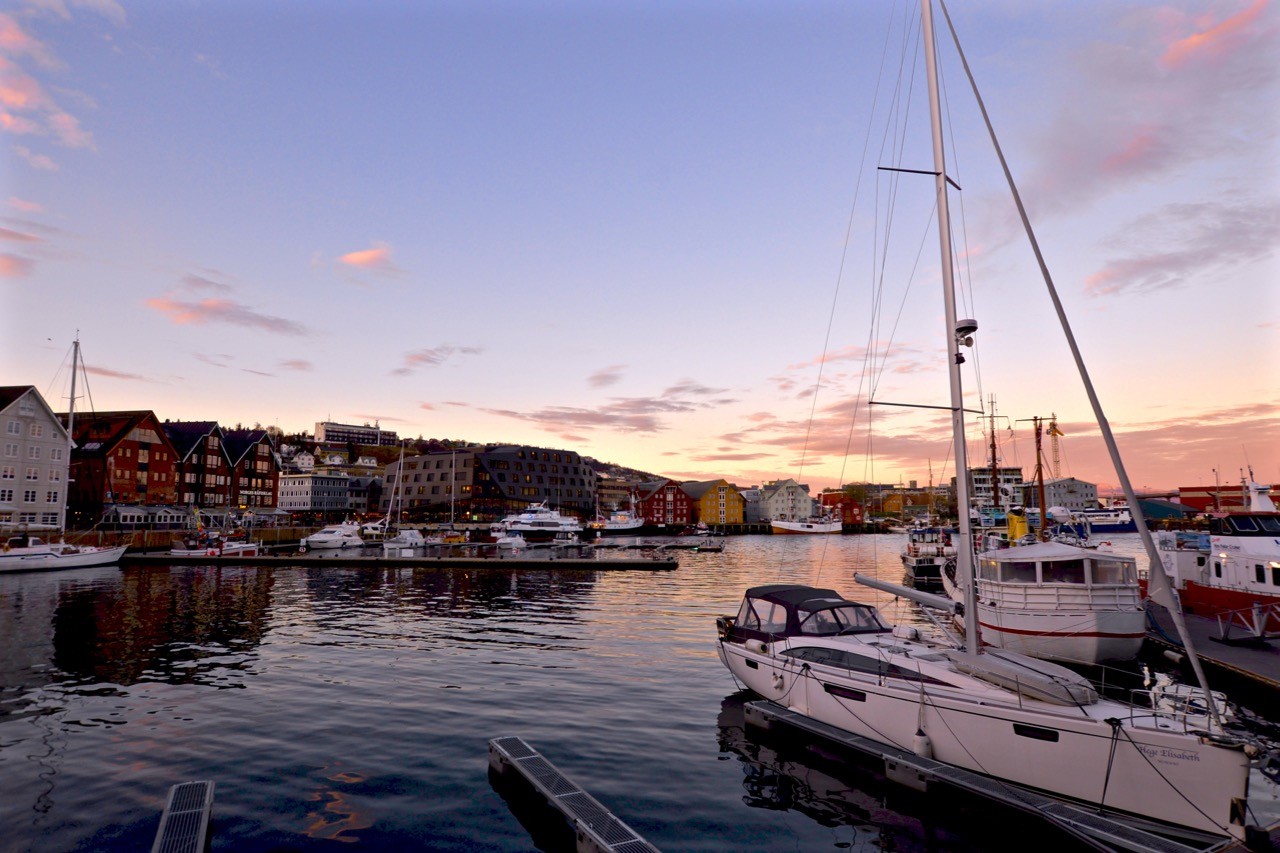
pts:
[341, 709]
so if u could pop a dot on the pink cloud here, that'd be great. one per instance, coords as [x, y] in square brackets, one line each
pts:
[432, 357]
[377, 259]
[37, 161]
[606, 376]
[223, 311]
[15, 41]
[18, 236]
[1214, 41]
[12, 266]
[296, 364]
[115, 374]
[25, 206]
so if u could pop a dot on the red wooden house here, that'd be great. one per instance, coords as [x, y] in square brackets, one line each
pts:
[255, 469]
[120, 458]
[665, 503]
[204, 471]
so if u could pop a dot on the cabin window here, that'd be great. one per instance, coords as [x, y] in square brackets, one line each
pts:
[845, 692]
[1269, 524]
[1063, 571]
[1018, 572]
[1112, 572]
[988, 570]
[763, 616]
[1275, 573]
[1244, 524]
[1217, 569]
[1260, 573]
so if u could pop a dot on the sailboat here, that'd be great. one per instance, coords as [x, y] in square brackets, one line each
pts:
[25, 552]
[1008, 716]
[402, 541]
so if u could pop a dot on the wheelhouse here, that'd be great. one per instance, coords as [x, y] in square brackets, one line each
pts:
[785, 610]
[1052, 563]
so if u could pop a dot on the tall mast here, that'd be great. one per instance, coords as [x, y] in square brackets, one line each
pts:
[995, 464]
[964, 553]
[1038, 424]
[71, 426]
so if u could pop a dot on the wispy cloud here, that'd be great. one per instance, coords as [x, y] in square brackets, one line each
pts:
[220, 359]
[223, 311]
[256, 372]
[36, 161]
[1182, 243]
[207, 281]
[296, 364]
[24, 205]
[375, 260]
[432, 357]
[1213, 40]
[13, 266]
[18, 236]
[115, 374]
[378, 419]
[606, 376]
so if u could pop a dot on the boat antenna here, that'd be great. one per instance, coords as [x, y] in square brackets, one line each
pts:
[1158, 584]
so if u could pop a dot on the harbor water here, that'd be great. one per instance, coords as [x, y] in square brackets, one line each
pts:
[350, 708]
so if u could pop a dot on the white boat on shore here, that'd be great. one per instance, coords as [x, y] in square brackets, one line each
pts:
[26, 553]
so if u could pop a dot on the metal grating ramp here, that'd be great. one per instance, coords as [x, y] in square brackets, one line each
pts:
[184, 826]
[1113, 832]
[597, 828]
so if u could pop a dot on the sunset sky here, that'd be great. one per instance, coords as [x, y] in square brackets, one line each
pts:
[644, 231]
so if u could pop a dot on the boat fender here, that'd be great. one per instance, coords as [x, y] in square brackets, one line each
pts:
[1176, 657]
[213, 552]
[302, 550]
[757, 646]
[906, 632]
[921, 745]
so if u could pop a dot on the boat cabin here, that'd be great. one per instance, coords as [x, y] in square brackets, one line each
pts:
[788, 610]
[1246, 524]
[1054, 563]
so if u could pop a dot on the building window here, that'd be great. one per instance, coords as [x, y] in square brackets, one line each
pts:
[33, 452]
[14, 428]
[6, 495]
[7, 473]
[33, 473]
[56, 454]
[29, 496]
[36, 431]
[11, 450]
[51, 498]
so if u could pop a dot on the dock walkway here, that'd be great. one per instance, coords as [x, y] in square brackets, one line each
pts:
[1258, 660]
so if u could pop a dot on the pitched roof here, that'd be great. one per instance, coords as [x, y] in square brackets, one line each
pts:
[10, 393]
[698, 489]
[238, 442]
[98, 433]
[187, 435]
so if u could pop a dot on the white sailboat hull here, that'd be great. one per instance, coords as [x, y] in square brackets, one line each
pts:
[1157, 773]
[58, 557]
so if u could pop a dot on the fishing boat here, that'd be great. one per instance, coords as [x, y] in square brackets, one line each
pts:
[927, 552]
[212, 543]
[1234, 568]
[1006, 715]
[813, 524]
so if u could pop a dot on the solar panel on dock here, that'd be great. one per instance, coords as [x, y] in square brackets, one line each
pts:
[597, 828]
[184, 825]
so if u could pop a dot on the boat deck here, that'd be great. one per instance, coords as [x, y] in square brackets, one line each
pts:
[1257, 660]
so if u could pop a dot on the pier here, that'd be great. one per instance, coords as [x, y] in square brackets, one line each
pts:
[346, 560]
[1255, 658]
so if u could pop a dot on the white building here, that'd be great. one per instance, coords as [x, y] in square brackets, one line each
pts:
[787, 500]
[313, 493]
[1067, 492]
[34, 457]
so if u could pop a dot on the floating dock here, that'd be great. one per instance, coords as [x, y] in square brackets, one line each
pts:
[1102, 831]
[347, 560]
[1254, 658]
[597, 829]
[184, 825]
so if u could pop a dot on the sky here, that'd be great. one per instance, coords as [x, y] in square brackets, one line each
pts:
[655, 233]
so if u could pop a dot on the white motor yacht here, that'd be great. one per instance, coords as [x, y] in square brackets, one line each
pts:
[345, 535]
[24, 552]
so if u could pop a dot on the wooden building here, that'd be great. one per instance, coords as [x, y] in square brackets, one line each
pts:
[120, 458]
[664, 503]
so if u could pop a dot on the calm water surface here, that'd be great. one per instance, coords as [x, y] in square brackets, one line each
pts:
[351, 708]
